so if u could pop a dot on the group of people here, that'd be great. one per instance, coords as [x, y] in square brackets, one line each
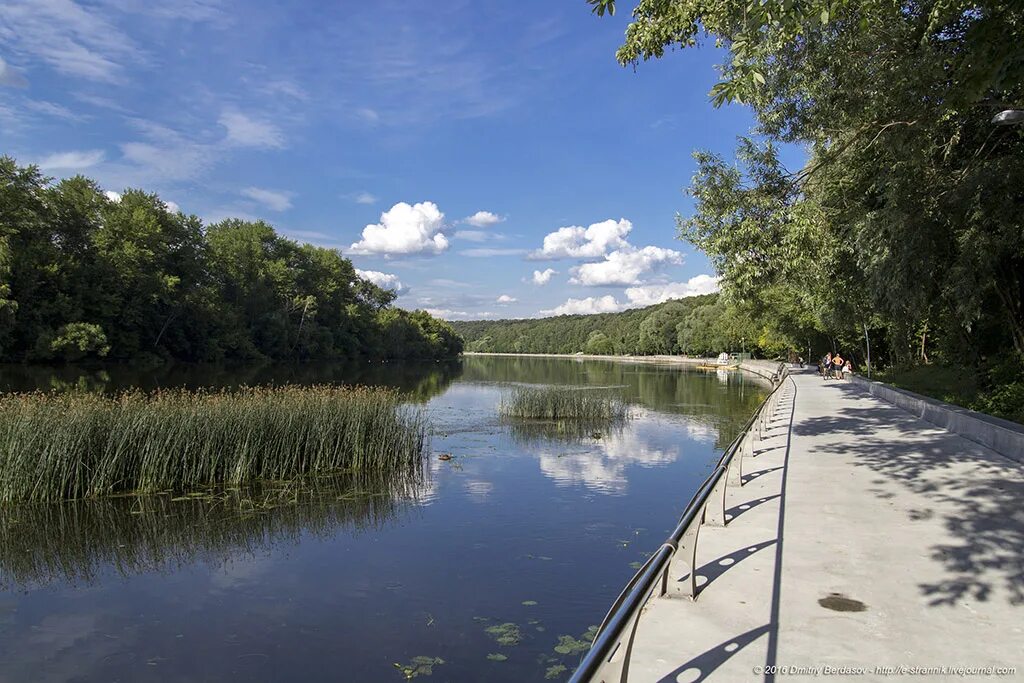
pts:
[834, 367]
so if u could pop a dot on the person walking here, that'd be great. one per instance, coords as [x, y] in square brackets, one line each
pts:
[837, 365]
[826, 365]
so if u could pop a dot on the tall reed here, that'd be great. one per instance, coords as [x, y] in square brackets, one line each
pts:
[78, 445]
[563, 403]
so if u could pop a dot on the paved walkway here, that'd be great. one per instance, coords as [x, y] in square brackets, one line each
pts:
[864, 538]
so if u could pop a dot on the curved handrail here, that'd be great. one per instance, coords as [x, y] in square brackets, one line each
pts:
[625, 610]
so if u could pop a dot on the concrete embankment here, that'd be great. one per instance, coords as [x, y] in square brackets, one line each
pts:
[865, 542]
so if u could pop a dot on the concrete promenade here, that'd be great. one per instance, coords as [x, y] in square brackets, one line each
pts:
[865, 540]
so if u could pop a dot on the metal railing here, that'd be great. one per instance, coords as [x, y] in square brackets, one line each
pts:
[609, 655]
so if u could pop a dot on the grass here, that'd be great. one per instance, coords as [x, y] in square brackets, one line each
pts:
[56, 446]
[997, 390]
[561, 403]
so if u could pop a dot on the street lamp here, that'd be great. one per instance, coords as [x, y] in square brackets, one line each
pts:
[1009, 117]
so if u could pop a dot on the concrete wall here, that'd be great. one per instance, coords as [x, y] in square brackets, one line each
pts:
[1002, 436]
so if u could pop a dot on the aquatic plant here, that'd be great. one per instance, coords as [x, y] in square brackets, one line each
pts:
[505, 634]
[419, 666]
[563, 403]
[57, 446]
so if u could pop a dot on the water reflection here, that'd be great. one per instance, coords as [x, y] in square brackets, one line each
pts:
[420, 380]
[75, 540]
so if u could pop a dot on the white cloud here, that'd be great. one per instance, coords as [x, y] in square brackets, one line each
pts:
[113, 196]
[592, 304]
[483, 219]
[625, 266]
[275, 200]
[172, 206]
[368, 115]
[364, 197]
[72, 160]
[648, 295]
[542, 277]
[405, 229]
[10, 77]
[473, 235]
[382, 280]
[506, 299]
[245, 131]
[75, 39]
[591, 242]
[52, 109]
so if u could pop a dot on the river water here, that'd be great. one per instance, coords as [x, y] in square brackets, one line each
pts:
[477, 570]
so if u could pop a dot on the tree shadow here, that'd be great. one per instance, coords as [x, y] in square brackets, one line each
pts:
[977, 492]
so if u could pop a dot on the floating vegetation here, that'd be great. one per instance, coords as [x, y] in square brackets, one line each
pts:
[419, 666]
[76, 540]
[57, 446]
[567, 645]
[497, 657]
[564, 403]
[555, 671]
[505, 634]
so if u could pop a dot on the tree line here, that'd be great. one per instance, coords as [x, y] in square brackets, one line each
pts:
[695, 326]
[86, 276]
[904, 229]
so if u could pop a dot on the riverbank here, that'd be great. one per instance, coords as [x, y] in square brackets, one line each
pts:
[863, 538]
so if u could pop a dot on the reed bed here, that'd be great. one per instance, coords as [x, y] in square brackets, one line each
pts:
[56, 446]
[564, 403]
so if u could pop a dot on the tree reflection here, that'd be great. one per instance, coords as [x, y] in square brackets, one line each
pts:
[75, 541]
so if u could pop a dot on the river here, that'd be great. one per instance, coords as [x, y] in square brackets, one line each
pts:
[478, 570]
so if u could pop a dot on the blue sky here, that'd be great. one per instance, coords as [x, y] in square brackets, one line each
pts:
[492, 157]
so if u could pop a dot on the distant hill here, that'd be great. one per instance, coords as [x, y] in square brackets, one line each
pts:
[642, 331]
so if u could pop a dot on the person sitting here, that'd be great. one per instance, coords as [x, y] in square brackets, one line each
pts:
[848, 369]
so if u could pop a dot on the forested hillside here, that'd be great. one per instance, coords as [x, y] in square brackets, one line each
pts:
[697, 325]
[84, 275]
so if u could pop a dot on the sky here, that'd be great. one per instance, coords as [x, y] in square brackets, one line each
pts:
[485, 159]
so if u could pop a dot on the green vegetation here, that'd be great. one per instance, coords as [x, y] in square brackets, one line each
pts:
[563, 403]
[419, 666]
[55, 446]
[83, 277]
[641, 331]
[507, 634]
[904, 226]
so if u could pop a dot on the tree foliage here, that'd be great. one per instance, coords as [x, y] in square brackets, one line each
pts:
[906, 222]
[84, 276]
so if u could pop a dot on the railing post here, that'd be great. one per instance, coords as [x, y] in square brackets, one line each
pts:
[687, 553]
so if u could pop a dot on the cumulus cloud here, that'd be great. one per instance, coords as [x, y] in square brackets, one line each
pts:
[246, 131]
[542, 277]
[10, 77]
[382, 280]
[592, 242]
[592, 304]
[624, 266]
[648, 295]
[274, 200]
[72, 160]
[506, 299]
[172, 206]
[113, 196]
[483, 219]
[405, 229]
